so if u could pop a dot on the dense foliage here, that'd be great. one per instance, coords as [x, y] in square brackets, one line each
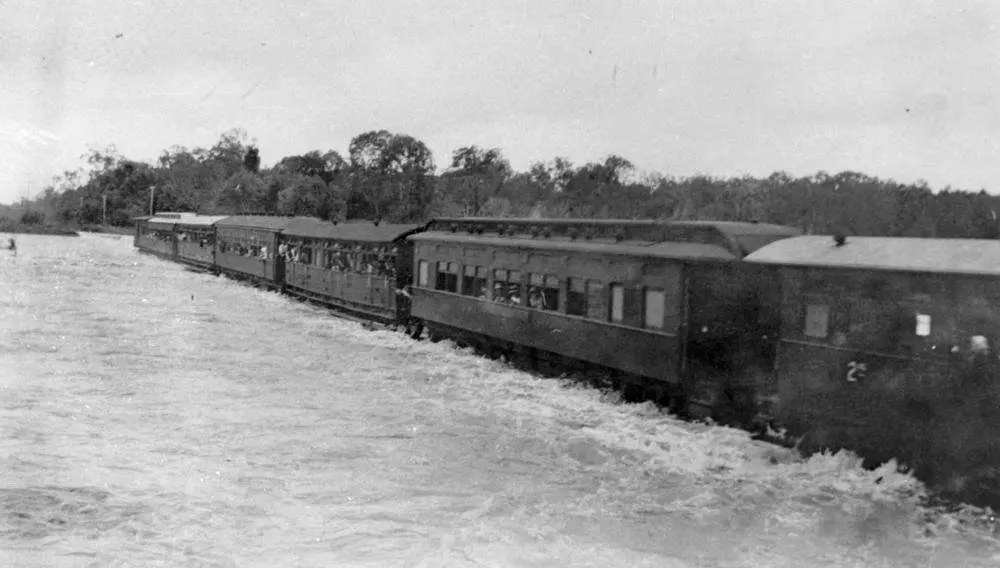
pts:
[393, 177]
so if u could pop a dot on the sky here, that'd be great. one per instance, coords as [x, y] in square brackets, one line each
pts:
[900, 89]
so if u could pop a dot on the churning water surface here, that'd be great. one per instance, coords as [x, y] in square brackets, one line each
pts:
[152, 416]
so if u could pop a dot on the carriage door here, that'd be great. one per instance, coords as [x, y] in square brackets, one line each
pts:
[279, 262]
[174, 243]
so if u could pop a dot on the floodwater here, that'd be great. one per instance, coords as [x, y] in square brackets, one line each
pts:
[152, 416]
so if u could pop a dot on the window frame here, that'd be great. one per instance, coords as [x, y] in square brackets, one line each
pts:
[617, 295]
[662, 308]
[423, 273]
[474, 285]
[446, 280]
[601, 309]
[576, 300]
[809, 306]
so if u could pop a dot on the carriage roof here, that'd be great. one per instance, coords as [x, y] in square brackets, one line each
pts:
[955, 256]
[255, 222]
[362, 231]
[738, 239]
[663, 250]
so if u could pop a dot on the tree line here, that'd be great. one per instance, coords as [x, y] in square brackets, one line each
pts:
[393, 178]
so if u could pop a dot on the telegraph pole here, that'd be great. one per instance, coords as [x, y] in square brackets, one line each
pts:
[152, 191]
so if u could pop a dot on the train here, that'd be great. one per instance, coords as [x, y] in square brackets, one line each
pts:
[883, 346]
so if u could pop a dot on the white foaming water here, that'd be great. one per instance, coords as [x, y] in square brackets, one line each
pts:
[152, 416]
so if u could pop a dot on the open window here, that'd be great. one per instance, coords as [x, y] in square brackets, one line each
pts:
[543, 293]
[305, 252]
[576, 297]
[447, 277]
[507, 286]
[474, 281]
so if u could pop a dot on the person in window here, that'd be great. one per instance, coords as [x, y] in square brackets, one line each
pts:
[514, 292]
[498, 295]
[535, 299]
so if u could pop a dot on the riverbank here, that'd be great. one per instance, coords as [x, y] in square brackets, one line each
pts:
[24, 229]
[110, 229]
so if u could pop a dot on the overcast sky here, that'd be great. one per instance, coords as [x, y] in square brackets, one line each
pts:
[902, 89]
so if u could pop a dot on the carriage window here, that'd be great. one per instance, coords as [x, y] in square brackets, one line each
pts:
[923, 325]
[597, 303]
[441, 283]
[499, 285]
[543, 293]
[474, 281]
[447, 277]
[423, 275]
[551, 293]
[576, 297]
[514, 287]
[507, 286]
[655, 301]
[617, 303]
[817, 320]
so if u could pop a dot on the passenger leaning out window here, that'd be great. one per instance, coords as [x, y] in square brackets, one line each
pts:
[515, 294]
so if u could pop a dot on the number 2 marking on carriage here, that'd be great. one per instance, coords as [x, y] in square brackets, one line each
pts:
[856, 371]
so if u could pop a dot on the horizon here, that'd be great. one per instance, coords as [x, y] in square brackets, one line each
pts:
[901, 91]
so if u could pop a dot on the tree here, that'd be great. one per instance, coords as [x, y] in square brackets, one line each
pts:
[243, 193]
[328, 166]
[591, 189]
[33, 218]
[475, 177]
[390, 177]
[251, 160]
[310, 195]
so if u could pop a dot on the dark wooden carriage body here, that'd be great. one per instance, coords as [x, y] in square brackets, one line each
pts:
[156, 234]
[627, 295]
[874, 352]
[358, 267]
[195, 240]
[247, 248]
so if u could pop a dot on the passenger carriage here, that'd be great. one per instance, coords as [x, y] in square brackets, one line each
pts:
[358, 267]
[645, 298]
[156, 234]
[195, 236]
[247, 248]
[888, 347]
